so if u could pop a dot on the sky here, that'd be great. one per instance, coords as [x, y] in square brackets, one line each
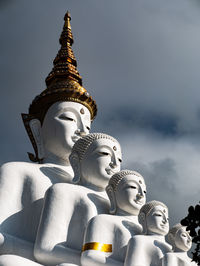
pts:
[139, 59]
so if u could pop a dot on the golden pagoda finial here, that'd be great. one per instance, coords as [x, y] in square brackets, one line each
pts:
[67, 19]
[65, 61]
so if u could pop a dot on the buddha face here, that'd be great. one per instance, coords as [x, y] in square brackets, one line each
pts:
[63, 125]
[183, 240]
[130, 194]
[101, 160]
[157, 221]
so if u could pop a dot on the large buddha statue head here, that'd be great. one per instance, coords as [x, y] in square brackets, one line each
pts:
[153, 217]
[63, 112]
[179, 238]
[127, 192]
[94, 159]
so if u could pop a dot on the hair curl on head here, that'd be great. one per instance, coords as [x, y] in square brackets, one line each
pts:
[117, 177]
[146, 208]
[80, 147]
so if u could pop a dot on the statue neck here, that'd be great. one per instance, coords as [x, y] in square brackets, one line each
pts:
[156, 236]
[53, 159]
[181, 252]
[83, 182]
[126, 215]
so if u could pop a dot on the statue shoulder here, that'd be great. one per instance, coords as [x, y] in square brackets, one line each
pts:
[14, 169]
[61, 190]
[24, 172]
[10, 166]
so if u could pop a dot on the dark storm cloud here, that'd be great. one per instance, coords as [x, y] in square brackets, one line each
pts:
[5, 3]
[127, 118]
[157, 174]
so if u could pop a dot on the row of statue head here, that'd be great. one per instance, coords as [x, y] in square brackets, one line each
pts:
[96, 159]
[151, 248]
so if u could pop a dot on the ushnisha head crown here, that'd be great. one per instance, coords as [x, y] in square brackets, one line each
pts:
[172, 233]
[81, 146]
[63, 84]
[117, 178]
[146, 208]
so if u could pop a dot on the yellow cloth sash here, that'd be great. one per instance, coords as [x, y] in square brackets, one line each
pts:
[97, 246]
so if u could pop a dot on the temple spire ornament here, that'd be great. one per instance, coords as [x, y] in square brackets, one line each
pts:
[65, 62]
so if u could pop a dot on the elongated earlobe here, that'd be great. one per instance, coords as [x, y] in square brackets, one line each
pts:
[142, 221]
[35, 127]
[111, 195]
[75, 163]
[171, 240]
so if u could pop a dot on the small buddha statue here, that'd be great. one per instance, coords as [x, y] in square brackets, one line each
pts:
[68, 208]
[148, 249]
[57, 118]
[181, 242]
[107, 235]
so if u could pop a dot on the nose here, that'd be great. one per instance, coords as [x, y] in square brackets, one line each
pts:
[82, 130]
[164, 219]
[141, 193]
[114, 162]
[140, 196]
[80, 133]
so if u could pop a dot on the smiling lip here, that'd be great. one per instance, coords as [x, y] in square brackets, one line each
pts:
[163, 225]
[139, 202]
[75, 138]
[109, 171]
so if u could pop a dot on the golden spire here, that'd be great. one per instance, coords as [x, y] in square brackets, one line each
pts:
[65, 62]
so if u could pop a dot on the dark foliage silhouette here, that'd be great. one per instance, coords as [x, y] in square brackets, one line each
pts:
[192, 222]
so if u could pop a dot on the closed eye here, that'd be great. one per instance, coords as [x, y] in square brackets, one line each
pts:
[104, 153]
[67, 118]
[157, 214]
[133, 187]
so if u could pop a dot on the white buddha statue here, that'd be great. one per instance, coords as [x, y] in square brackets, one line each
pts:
[148, 249]
[68, 207]
[181, 242]
[57, 118]
[107, 235]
